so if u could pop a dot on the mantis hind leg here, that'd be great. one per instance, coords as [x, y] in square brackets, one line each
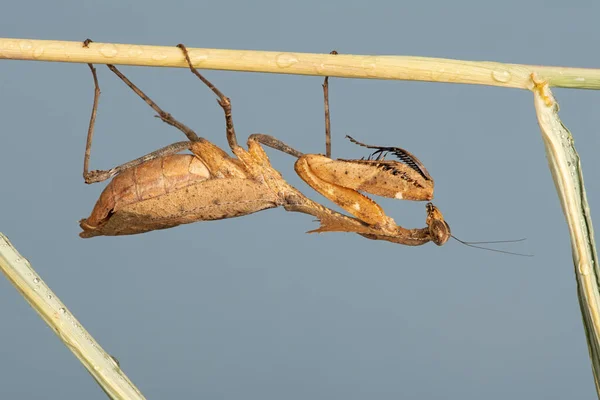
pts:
[165, 116]
[223, 101]
[217, 161]
[102, 175]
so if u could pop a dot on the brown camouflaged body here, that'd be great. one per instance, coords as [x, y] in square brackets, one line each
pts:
[210, 185]
[170, 191]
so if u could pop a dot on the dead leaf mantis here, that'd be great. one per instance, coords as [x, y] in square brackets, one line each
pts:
[164, 189]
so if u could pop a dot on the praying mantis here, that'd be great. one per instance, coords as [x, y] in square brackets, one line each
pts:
[164, 189]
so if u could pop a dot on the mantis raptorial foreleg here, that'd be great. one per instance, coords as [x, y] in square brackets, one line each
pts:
[341, 180]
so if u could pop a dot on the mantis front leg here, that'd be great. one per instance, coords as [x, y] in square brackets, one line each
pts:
[341, 180]
[327, 115]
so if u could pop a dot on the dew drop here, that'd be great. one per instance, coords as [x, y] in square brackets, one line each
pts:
[109, 50]
[320, 68]
[115, 361]
[285, 60]
[36, 280]
[62, 310]
[38, 52]
[198, 56]
[501, 75]
[159, 56]
[49, 297]
[135, 51]
[584, 269]
[25, 45]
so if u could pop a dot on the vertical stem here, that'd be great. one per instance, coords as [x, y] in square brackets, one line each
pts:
[566, 171]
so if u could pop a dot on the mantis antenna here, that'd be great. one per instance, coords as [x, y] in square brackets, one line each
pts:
[474, 245]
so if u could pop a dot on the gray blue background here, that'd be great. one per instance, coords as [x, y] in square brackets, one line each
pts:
[254, 308]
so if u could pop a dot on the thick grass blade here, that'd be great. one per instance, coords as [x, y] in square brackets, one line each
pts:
[101, 365]
[566, 171]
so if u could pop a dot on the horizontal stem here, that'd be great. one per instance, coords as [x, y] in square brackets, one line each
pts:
[342, 66]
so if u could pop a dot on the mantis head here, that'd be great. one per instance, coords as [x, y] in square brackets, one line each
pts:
[439, 233]
[439, 230]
